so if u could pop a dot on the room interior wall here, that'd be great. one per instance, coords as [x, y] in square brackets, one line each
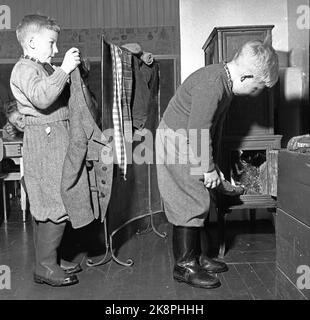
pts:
[295, 114]
[99, 13]
[199, 17]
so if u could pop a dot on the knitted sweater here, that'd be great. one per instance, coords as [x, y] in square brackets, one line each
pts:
[201, 102]
[33, 87]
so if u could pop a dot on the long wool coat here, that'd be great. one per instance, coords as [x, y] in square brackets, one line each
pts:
[88, 169]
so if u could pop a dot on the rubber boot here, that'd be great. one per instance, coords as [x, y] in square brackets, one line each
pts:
[68, 243]
[208, 264]
[67, 266]
[186, 268]
[47, 270]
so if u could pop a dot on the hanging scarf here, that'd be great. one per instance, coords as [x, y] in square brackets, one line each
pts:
[117, 114]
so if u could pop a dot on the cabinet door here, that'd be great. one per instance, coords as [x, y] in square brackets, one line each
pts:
[247, 116]
[212, 52]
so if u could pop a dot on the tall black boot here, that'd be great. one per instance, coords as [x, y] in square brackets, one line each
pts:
[68, 245]
[208, 264]
[186, 268]
[67, 266]
[47, 270]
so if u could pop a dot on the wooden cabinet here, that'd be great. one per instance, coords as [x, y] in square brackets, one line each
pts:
[293, 226]
[256, 113]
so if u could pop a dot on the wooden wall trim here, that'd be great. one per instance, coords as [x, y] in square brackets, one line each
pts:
[100, 13]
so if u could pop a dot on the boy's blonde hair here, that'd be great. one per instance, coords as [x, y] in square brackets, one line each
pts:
[260, 59]
[34, 23]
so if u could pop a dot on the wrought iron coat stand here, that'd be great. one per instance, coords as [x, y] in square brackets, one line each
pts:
[109, 248]
[109, 239]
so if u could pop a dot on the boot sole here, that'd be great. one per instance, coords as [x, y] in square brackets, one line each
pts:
[41, 280]
[216, 285]
[77, 269]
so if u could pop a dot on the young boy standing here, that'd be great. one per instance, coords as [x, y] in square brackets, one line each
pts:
[41, 97]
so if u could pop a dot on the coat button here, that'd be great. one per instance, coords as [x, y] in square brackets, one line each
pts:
[102, 195]
[103, 181]
[104, 168]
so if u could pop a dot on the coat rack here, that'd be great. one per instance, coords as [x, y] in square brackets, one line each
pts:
[150, 214]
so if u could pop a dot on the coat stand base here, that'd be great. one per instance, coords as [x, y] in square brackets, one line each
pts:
[110, 252]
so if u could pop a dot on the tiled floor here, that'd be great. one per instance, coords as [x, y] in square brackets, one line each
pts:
[251, 261]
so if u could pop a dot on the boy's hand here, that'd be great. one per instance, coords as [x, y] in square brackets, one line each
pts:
[211, 179]
[71, 60]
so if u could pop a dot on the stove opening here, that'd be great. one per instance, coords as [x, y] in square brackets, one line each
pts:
[249, 169]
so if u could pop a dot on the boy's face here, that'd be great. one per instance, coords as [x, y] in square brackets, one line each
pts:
[44, 45]
[17, 120]
[248, 87]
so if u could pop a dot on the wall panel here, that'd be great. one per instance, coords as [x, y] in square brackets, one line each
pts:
[100, 13]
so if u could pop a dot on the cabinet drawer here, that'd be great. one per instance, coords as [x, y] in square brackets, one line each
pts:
[12, 150]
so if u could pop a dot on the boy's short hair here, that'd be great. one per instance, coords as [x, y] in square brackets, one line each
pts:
[10, 107]
[261, 59]
[34, 23]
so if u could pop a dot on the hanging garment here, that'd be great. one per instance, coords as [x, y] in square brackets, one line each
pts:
[88, 165]
[107, 86]
[117, 113]
[129, 90]
[146, 83]
[127, 82]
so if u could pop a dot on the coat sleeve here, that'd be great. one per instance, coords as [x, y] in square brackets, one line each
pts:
[42, 91]
[205, 99]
